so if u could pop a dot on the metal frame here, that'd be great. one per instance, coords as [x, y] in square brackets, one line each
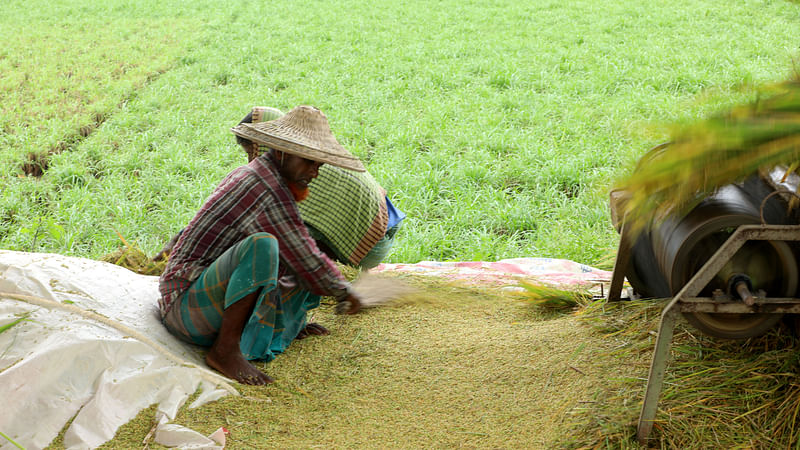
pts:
[620, 266]
[687, 301]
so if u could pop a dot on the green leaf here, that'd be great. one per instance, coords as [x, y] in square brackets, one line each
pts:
[11, 324]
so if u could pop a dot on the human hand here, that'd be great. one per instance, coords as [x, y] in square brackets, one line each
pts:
[349, 305]
[167, 249]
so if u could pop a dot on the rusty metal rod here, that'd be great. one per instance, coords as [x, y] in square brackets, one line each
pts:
[744, 292]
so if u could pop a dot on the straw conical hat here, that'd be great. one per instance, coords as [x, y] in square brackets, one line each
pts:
[303, 131]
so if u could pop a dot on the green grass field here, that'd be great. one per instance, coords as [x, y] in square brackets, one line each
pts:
[496, 127]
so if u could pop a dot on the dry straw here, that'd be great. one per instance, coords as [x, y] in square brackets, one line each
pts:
[553, 297]
[375, 290]
[131, 257]
[716, 393]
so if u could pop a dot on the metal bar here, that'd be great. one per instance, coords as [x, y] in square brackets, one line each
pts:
[656, 377]
[758, 300]
[726, 251]
[620, 266]
[760, 305]
[770, 232]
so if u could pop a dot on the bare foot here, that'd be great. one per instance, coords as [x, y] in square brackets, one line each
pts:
[314, 329]
[235, 365]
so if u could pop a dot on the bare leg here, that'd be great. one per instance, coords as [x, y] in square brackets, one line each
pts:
[225, 354]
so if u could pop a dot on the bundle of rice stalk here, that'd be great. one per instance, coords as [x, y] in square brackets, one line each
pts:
[716, 393]
[374, 290]
[131, 257]
[552, 297]
[708, 154]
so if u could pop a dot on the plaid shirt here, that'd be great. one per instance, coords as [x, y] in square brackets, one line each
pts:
[251, 199]
[349, 209]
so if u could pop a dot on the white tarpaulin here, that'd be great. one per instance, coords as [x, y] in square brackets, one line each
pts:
[91, 348]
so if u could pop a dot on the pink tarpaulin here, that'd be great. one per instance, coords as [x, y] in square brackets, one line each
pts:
[508, 272]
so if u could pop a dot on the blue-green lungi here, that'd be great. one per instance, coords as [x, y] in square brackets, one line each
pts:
[250, 265]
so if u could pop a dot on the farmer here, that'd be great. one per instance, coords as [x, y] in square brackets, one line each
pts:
[245, 271]
[346, 212]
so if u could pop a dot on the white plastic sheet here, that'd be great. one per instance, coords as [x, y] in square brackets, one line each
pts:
[92, 349]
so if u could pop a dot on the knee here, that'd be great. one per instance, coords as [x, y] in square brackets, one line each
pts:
[263, 240]
[263, 246]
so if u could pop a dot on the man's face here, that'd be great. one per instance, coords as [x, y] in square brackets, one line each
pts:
[296, 169]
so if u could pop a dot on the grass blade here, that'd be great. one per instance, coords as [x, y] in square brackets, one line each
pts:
[8, 326]
[11, 440]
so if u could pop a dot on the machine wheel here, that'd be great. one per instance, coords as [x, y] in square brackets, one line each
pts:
[642, 272]
[771, 266]
[683, 246]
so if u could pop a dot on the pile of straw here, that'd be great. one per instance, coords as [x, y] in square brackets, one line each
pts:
[716, 393]
[131, 257]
